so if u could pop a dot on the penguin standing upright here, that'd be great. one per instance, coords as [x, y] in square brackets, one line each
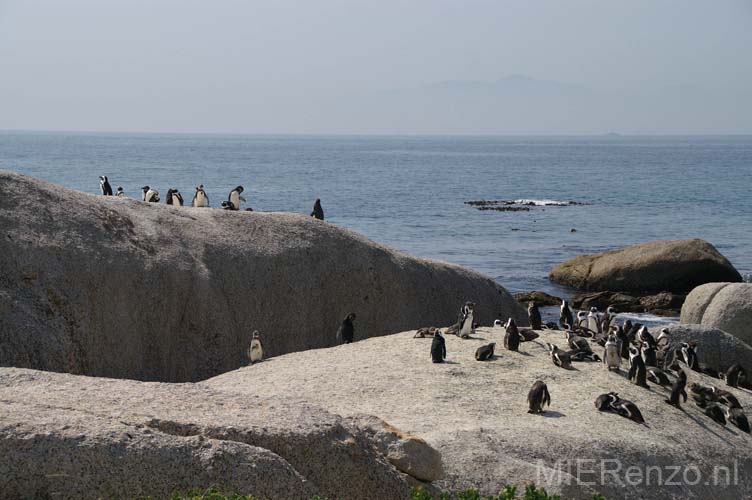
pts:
[174, 197]
[648, 354]
[637, 371]
[534, 316]
[318, 212]
[582, 319]
[149, 195]
[346, 332]
[200, 199]
[256, 351]
[612, 354]
[466, 320]
[234, 199]
[737, 417]
[565, 316]
[608, 319]
[538, 397]
[438, 348]
[104, 186]
[512, 336]
[593, 320]
[678, 390]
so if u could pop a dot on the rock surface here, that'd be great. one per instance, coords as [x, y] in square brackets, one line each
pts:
[726, 306]
[67, 436]
[656, 266]
[717, 348]
[540, 298]
[475, 414]
[115, 287]
[665, 303]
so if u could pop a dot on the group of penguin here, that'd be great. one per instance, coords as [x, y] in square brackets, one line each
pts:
[654, 359]
[200, 198]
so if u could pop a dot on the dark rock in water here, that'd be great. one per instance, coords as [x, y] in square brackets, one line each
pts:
[114, 287]
[540, 298]
[663, 304]
[656, 266]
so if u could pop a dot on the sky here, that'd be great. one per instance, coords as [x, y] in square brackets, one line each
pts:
[377, 67]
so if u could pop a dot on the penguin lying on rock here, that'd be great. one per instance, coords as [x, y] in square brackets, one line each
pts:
[611, 402]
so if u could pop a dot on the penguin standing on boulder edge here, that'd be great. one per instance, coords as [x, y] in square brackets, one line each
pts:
[534, 316]
[149, 195]
[512, 336]
[200, 199]
[104, 186]
[466, 320]
[234, 199]
[566, 320]
[538, 397]
[346, 332]
[318, 212]
[174, 197]
[256, 351]
[438, 348]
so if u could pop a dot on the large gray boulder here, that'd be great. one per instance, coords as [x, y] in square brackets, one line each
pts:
[73, 437]
[716, 348]
[726, 306]
[475, 414]
[656, 266]
[115, 287]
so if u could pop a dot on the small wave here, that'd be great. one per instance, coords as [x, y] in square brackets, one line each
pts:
[546, 203]
[747, 278]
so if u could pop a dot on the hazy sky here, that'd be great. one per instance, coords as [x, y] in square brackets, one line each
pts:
[336, 66]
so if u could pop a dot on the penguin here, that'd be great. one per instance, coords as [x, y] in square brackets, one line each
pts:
[621, 336]
[658, 376]
[689, 355]
[234, 198]
[608, 319]
[538, 397]
[512, 336]
[565, 317]
[485, 352]
[497, 322]
[644, 335]
[593, 320]
[104, 186]
[120, 192]
[678, 390]
[648, 354]
[174, 197]
[604, 401]
[551, 325]
[584, 356]
[737, 417]
[256, 351]
[735, 376]
[438, 348]
[426, 331]
[725, 397]
[534, 316]
[346, 332]
[318, 212]
[628, 409]
[627, 326]
[149, 195]
[466, 320]
[200, 199]
[663, 348]
[715, 412]
[559, 357]
[577, 343]
[582, 320]
[527, 335]
[611, 353]
[637, 372]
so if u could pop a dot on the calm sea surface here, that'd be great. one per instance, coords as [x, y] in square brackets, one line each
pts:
[408, 192]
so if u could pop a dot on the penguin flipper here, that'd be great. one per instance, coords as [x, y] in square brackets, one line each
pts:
[546, 397]
[684, 394]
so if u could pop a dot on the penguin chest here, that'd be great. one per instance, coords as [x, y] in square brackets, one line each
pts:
[467, 326]
[200, 200]
[256, 352]
[235, 199]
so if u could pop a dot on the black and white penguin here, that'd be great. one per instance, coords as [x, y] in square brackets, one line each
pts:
[466, 327]
[736, 376]
[637, 371]
[628, 409]
[256, 351]
[512, 336]
[582, 319]
[583, 356]
[593, 320]
[438, 348]
[485, 352]
[648, 354]
[534, 316]
[560, 358]
[426, 331]
[663, 347]
[565, 316]
[737, 417]
[725, 397]
[715, 412]
[346, 331]
[200, 199]
[318, 212]
[608, 319]
[174, 197]
[678, 390]
[612, 353]
[644, 335]
[658, 376]
[689, 355]
[234, 198]
[104, 186]
[149, 195]
[120, 193]
[538, 397]
[577, 343]
[604, 401]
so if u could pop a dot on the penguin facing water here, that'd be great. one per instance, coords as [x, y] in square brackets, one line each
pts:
[234, 199]
[256, 351]
[318, 212]
[534, 316]
[149, 195]
[104, 186]
[538, 397]
[438, 348]
[200, 199]
[174, 197]
[346, 331]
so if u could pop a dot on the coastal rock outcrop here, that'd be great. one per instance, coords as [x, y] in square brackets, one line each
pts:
[664, 303]
[540, 298]
[717, 348]
[75, 437]
[726, 306]
[114, 287]
[648, 268]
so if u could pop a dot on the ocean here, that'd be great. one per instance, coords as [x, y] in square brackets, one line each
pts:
[410, 192]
